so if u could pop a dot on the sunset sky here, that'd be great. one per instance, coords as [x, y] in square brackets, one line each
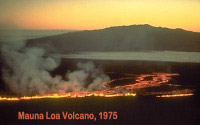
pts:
[97, 14]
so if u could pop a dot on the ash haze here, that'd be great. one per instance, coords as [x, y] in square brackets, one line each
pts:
[98, 14]
[164, 56]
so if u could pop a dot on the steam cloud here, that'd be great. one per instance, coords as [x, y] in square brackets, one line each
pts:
[27, 71]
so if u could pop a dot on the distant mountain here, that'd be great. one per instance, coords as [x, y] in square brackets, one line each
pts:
[122, 38]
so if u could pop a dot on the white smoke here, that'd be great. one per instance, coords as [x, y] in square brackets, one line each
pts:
[87, 71]
[27, 72]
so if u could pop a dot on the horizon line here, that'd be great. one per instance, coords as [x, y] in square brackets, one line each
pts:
[98, 28]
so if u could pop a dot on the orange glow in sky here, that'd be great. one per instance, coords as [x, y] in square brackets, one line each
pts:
[97, 14]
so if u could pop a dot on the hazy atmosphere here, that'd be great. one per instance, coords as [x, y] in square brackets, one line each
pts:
[98, 14]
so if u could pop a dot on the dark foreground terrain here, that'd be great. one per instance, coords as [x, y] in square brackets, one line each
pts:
[138, 110]
[131, 110]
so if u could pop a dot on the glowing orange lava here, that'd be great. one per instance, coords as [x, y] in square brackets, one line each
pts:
[129, 89]
[66, 95]
[176, 95]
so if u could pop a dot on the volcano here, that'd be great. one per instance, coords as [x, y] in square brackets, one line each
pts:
[121, 38]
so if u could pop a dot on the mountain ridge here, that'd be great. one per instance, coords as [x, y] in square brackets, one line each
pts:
[122, 38]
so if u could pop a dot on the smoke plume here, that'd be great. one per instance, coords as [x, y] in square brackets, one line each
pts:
[26, 71]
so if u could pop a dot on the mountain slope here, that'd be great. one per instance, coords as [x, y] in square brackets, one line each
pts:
[122, 38]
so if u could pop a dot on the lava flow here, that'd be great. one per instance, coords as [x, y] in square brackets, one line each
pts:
[176, 95]
[141, 82]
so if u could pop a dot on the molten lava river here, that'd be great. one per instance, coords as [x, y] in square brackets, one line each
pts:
[155, 84]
